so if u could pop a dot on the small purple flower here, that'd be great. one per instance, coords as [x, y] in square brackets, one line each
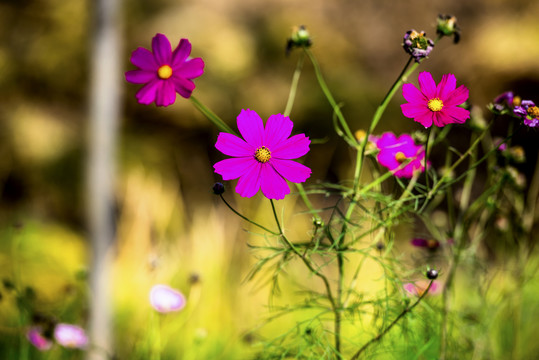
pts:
[166, 299]
[529, 112]
[430, 244]
[70, 336]
[417, 44]
[395, 151]
[164, 72]
[36, 338]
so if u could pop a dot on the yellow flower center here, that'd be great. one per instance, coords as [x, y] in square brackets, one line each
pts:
[262, 154]
[516, 101]
[164, 72]
[533, 111]
[400, 157]
[435, 104]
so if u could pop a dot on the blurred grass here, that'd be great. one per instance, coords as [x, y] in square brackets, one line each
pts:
[169, 225]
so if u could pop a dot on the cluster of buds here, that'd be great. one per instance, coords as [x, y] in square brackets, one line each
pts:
[447, 26]
[417, 44]
[300, 38]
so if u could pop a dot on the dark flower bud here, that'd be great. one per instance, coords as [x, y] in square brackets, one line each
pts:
[218, 188]
[300, 38]
[417, 44]
[447, 26]
[318, 222]
[432, 274]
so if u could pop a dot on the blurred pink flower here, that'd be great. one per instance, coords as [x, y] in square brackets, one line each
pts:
[431, 244]
[419, 287]
[438, 105]
[395, 151]
[166, 299]
[164, 72]
[36, 338]
[263, 159]
[70, 336]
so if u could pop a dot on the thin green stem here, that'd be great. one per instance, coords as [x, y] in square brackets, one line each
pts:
[329, 97]
[427, 148]
[294, 86]
[393, 323]
[247, 219]
[210, 115]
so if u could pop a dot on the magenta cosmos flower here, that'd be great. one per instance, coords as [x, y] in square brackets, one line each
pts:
[394, 151]
[438, 105]
[70, 336]
[529, 112]
[36, 338]
[264, 159]
[166, 299]
[164, 72]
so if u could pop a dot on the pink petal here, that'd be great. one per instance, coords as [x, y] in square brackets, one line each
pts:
[251, 127]
[273, 185]
[387, 139]
[413, 95]
[446, 86]
[70, 336]
[426, 119]
[232, 145]
[147, 94]
[161, 49]
[410, 288]
[140, 76]
[411, 110]
[144, 59]
[249, 183]
[166, 95]
[234, 168]
[183, 86]
[455, 114]
[181, 52]
[427, 84]
[190, 69]
[292, 148]
[387, 158]
[278, 129]
[457, 97]
[291, 170]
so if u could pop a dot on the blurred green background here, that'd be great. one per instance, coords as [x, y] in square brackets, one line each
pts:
[170, 227]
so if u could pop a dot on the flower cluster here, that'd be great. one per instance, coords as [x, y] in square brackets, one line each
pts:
[417, 44]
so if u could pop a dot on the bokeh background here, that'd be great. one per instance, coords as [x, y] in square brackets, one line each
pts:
[170, 227]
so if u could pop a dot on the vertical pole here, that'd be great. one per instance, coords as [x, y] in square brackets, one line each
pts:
[104, 110]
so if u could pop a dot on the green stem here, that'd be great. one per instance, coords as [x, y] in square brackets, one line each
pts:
[427, 157]
[329, 96]
[294, 86]
[216, 120]
[393, 323]
[247, 219]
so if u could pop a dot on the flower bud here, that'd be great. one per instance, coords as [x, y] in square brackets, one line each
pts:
[218, 188]
[432, 274]
[417, 44]
[300, 38]
[447, 26]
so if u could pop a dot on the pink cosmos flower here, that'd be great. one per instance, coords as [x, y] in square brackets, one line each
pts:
[419, 287]
[529, 112]
[395, 151]
[70, 336]
[164, 72]
[166, 299]
[263, 159]
[438, 105]
[36, 338]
